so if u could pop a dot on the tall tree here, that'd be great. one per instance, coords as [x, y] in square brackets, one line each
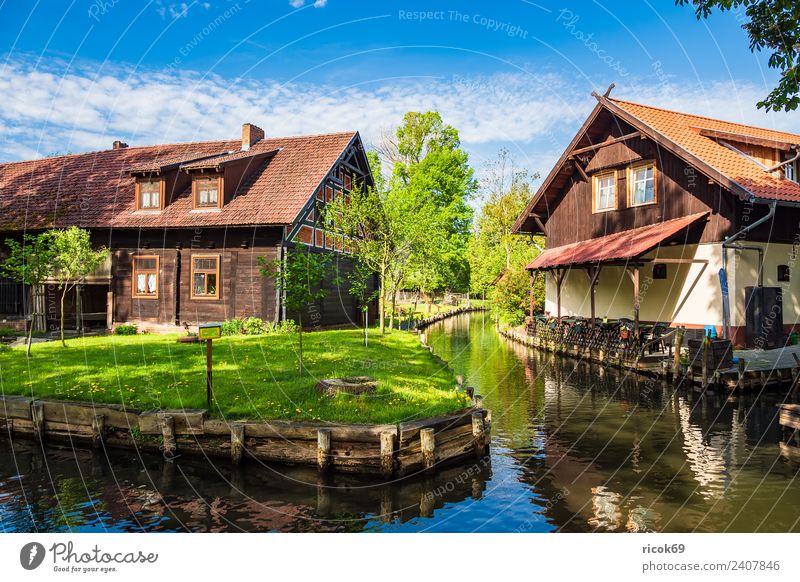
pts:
[30, 262]
[299, 279]
[772, 25]
[435, 183]
[74, 260]
[498, 257]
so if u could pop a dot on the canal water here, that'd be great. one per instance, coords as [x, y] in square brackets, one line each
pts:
[575, 447]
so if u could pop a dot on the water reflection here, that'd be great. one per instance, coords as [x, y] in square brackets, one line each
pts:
[575, 447]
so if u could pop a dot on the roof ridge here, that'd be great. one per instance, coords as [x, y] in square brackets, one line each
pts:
[706, 117]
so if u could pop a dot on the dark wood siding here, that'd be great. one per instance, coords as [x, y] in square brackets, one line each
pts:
[681, 190]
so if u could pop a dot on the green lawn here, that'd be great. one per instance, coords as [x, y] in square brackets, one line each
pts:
[255, 377]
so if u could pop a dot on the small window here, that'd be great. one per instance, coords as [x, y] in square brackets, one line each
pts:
[145, 277]
[642, 188]
[784, 273]
[605, 192]
[207, 191]
[660, 271]
[790, 171]
[148, 196]
[205, 277]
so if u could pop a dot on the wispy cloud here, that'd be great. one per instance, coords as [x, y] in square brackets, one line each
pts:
[301, 3]
[46, 110]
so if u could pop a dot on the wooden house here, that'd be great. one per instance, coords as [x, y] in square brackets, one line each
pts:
[186, 224]
[653, 215]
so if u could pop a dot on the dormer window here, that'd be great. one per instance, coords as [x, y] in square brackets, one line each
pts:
[207, 191]
[150, 194]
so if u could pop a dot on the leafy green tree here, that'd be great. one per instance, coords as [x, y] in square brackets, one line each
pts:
[498, 257]
[772, 25]
[360, 287]
[30, 262]
[434, 183]
[74, 259]
[299, 279]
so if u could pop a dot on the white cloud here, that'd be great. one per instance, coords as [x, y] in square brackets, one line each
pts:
[534, 115]
[301, 3]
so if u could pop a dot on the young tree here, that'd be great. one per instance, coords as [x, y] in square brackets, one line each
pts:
[372, 219]
[773, 25]
[360, 288]
[30, 262]
[299, 278]
[74, 260]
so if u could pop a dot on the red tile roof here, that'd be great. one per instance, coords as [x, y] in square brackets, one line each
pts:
[682, 129]
[95, 189]
[226, 158]
[622, 245]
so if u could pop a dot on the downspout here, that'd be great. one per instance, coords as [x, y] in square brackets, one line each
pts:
[730, 243]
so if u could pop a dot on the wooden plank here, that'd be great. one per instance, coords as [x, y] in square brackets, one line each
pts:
[308, 431]
[15, 407]
[84, 412]
[410, 430]
[189, 421]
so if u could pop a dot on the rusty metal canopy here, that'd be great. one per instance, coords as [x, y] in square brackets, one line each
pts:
[623, 245]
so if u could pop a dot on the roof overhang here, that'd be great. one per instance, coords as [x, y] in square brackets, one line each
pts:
[628, 245]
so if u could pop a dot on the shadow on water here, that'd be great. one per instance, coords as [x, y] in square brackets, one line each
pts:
[575, 447]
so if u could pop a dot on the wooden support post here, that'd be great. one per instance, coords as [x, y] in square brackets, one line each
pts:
[237, 442]
[323, 449]
[387, 453]
[37, 415]
[592, 273]
[478, 400]
[98, 428]
[209, 379]
[428, 446]
[78, 325]
[487, 427]
[676, 356]
[560, 273]
[479, 440]
[168, 433]
[633, 272]
[531, 297]
[109, 309]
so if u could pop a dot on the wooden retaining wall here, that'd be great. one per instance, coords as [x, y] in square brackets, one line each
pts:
[386, 450]
[423, 323]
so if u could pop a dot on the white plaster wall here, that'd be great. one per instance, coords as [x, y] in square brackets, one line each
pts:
[689, 295]
[744, 265]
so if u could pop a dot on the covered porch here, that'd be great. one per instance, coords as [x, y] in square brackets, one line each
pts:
[631, 261]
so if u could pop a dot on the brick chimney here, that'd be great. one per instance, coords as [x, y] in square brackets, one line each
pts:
[118, 145]
[250, 135]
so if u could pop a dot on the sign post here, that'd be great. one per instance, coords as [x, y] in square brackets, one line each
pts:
[209, 332]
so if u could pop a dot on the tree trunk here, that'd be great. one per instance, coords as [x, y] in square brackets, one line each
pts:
[394, 308]
[300, 338]
[30, 333]
[63, 296]
[381, 301]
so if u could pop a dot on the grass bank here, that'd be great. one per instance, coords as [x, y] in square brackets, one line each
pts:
[255, 377]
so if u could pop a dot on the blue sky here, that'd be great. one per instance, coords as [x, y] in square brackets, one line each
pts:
[509, 74]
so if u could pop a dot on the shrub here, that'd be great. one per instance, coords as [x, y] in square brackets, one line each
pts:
[232, 327]
[253, 326]
[126, 329]
[257, 326]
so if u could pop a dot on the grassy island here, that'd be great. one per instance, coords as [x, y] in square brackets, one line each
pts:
[255, 377]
